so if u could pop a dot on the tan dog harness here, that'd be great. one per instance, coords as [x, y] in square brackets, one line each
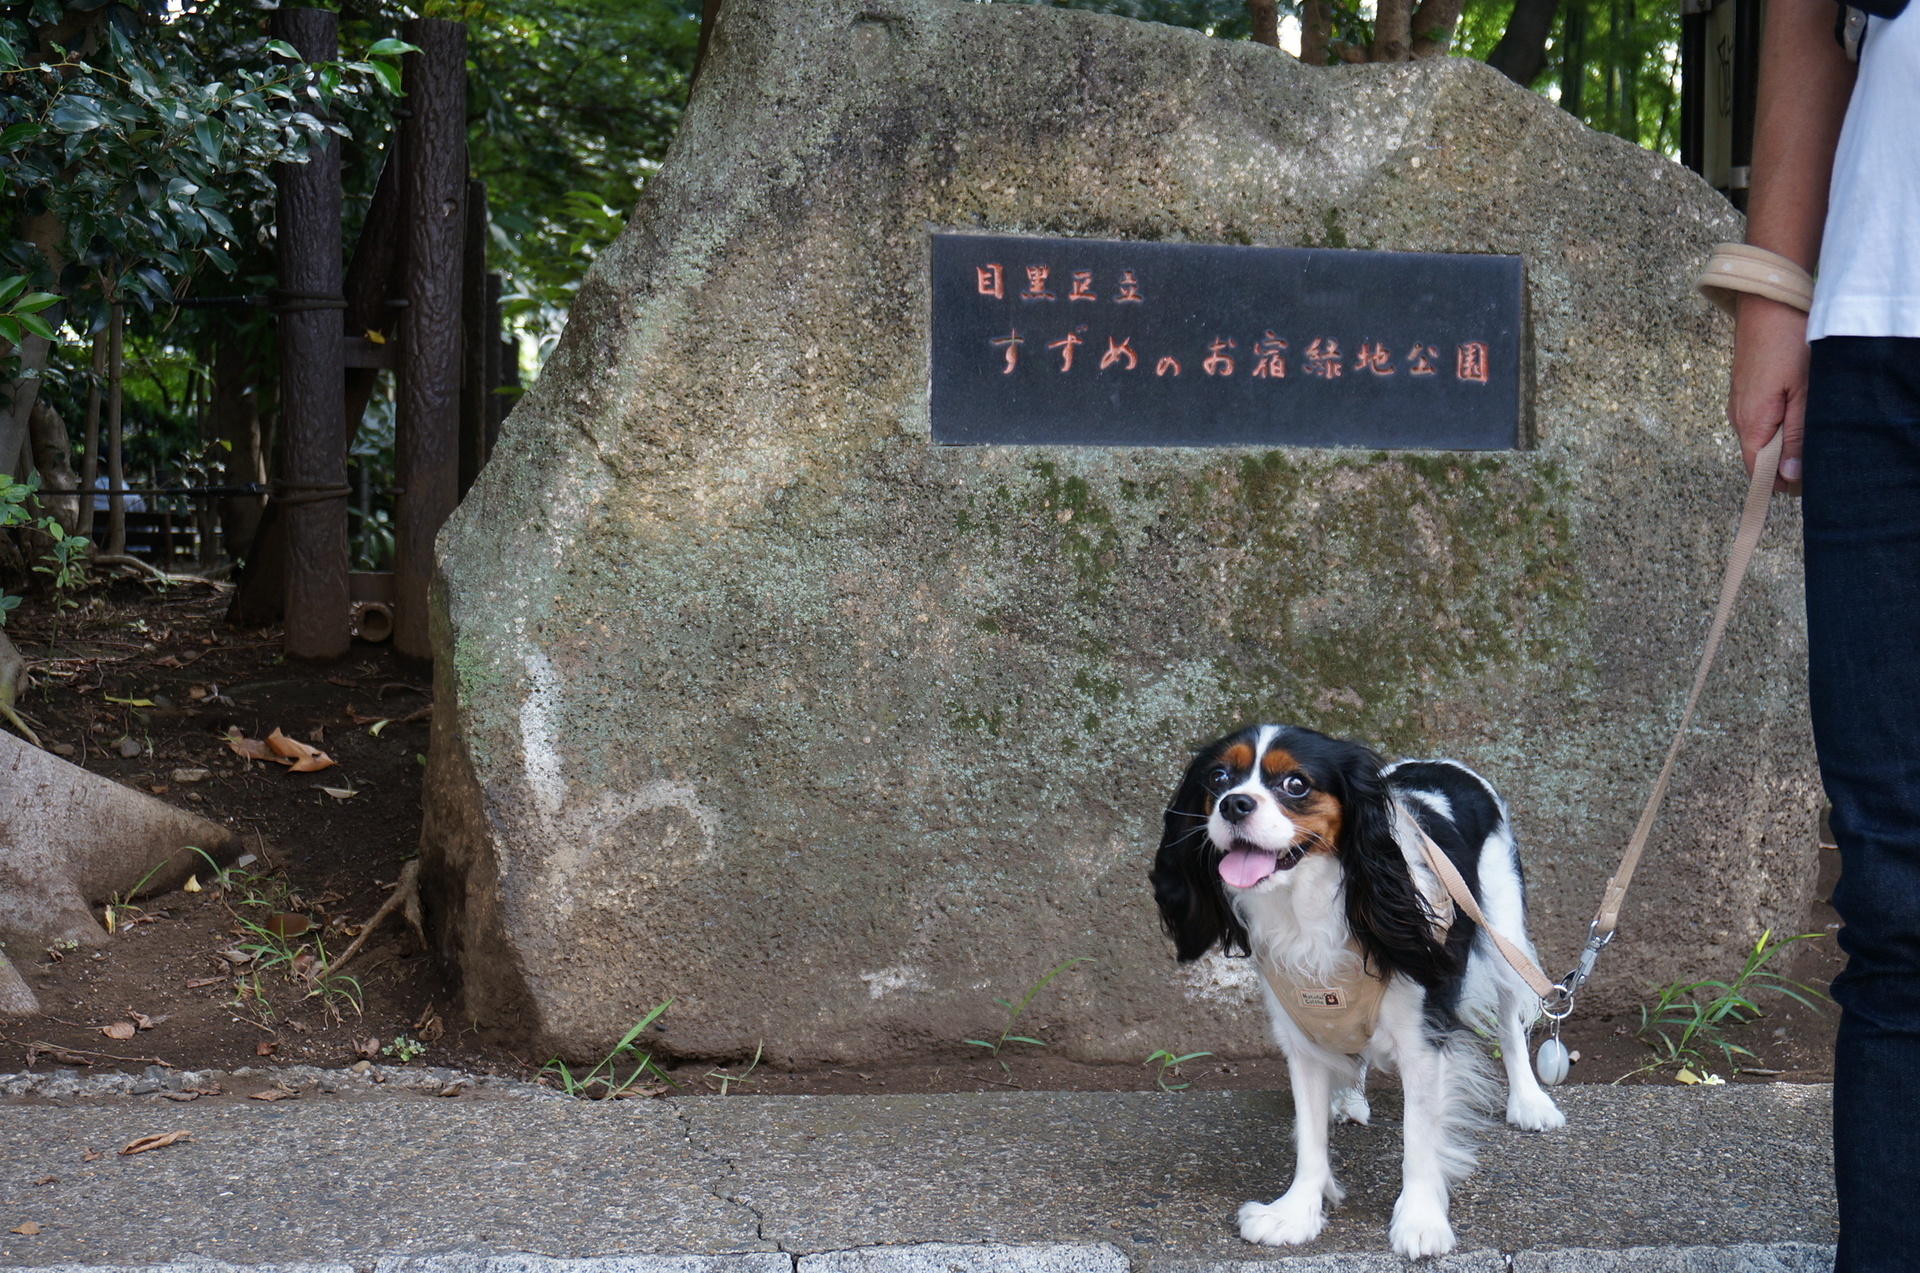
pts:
[1339, 1017]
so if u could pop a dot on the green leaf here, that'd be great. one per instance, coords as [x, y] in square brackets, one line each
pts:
[206, 135]
[10, 288]
[76, 114]
[391, 47]
[15, 134]
[389, 76]
[9, 329]
[34, 303]
[285, 50]
[37, 325]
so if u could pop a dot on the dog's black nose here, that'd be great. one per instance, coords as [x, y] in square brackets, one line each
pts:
[1237, 808]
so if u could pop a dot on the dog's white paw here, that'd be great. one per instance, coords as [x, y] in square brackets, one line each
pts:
[1288, 1220]
[1420, 1227]
[1350, 1106]
[1534, 1111]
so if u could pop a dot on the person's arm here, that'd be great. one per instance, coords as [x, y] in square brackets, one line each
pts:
[1805, 81]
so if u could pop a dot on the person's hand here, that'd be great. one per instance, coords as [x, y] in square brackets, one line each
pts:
[1769, 382]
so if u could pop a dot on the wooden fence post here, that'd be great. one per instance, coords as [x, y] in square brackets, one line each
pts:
[427, 429]
[313, 493]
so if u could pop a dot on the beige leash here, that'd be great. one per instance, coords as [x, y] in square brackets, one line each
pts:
[1558, 996]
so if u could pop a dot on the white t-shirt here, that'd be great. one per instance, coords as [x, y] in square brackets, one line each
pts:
[1869, 282]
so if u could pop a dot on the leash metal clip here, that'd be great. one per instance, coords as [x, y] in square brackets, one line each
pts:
[1560, 1006]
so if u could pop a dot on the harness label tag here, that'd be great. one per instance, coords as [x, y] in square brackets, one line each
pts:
[1325, 997]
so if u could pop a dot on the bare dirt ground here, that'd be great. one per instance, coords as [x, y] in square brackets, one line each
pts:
[143, 686]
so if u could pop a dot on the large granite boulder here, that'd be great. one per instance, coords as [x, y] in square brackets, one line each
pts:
[752, 698]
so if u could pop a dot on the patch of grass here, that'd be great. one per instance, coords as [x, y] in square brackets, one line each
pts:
[728, 1080]
[604, 1079]
[123, 902]
[301, 958]
[1689, 1019]
[1170, 1063]
[1015, 1009]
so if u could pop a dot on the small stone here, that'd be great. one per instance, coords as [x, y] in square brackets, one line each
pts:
[64, 749]
[189, 775]
[128, 748]
[361, 1067]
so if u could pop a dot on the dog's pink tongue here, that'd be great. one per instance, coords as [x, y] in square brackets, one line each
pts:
[1243, 868]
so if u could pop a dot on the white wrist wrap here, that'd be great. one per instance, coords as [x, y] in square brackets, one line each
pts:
[1741, 267]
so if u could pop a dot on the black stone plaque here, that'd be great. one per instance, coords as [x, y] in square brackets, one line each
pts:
[1087, 342]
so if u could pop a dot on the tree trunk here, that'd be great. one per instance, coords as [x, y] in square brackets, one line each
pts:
[1433, 24]
[427, 429]
[53, 457]
[709, 15]
[373, 278]
[475, 339]
[1522, 50]
[90, 433]
[45, 233]
[312, 385]
[1316, 31]
[206, 520]
[1264, 16]
[1392, 31]
[116, 477]
[236, 422]
[1573, 60]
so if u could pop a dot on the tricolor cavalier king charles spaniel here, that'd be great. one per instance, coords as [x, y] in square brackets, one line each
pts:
[1304, 851]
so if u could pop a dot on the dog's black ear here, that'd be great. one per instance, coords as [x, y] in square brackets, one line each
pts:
[1384, 907]
[1186, 874]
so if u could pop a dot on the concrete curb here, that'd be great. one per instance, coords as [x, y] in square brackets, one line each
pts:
[1058, 1257]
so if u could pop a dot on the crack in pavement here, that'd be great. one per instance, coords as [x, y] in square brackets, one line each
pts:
[685, 1116]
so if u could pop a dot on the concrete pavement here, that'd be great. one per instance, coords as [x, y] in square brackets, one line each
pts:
[395, 1179]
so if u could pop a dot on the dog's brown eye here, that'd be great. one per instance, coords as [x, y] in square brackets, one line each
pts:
[1295, 785]
[1219, 778]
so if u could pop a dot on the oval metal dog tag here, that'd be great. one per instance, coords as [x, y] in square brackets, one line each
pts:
[1551, 1064]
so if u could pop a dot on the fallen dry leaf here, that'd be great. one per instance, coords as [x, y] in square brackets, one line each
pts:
[430, 1026]
[29, 1228]
[168, 661]
[47, 1180]
[346, 681]
[190, 1094]
[273, 1094]
[120, 1031]
[192, 885]
[142, 1020]
[287, 924]
[302, 758]
[265, 1047]
[200, 982]
[368, 1047]
[159, 1140]
[340, 793]
[249, 748]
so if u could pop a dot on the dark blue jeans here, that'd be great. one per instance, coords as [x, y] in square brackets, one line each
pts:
[1861, 502]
